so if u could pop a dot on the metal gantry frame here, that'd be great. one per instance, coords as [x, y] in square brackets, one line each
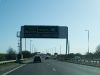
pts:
[20, 47]
[61, 34]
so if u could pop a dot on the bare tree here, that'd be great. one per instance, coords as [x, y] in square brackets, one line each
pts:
[97, 52]
[11, 54]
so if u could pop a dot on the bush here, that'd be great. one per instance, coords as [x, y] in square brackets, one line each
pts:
[2, 57]
[26, 54]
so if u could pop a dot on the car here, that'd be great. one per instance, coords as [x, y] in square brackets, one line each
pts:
[46, 58]
[37, 59]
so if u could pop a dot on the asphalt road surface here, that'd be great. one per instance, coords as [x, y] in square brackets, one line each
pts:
[53, 67]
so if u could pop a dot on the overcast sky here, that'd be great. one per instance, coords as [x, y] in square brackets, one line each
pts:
[78, 15]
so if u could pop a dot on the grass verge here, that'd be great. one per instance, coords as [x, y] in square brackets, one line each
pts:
[6, 67]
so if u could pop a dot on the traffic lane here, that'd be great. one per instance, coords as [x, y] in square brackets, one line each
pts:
[65, 68]
[35, 69]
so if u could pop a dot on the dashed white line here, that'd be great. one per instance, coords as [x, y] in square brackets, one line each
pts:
[48, 64]
[54, 69]
[13, 69]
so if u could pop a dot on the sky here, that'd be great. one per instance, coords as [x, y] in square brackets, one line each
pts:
[78, 15]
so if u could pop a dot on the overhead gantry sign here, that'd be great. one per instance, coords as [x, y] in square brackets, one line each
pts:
[29, 31]
[42, 31]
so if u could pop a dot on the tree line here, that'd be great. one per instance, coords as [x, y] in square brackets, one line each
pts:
[11, 55]
[89, 56]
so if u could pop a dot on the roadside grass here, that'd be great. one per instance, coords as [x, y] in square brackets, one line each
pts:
[82, 63]
[8, 66]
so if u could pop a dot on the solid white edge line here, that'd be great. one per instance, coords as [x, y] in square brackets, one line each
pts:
[13, 69]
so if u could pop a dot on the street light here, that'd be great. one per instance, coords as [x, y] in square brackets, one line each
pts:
[88, 39]
[60, 49]
[33, 48]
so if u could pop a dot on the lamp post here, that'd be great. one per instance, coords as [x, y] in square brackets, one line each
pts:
[60, 49]
[55, 49]
[88, 39]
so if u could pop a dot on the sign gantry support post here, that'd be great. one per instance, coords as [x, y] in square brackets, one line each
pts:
[25, 44]
[66, 46]
[20, 55]
[20, 51]
[21, 48]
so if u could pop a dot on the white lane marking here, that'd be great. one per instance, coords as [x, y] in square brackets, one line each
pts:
[48, 64]
[54, 69]
[13, 69]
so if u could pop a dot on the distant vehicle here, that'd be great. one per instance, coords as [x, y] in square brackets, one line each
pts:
[37, 59]
[46, 58]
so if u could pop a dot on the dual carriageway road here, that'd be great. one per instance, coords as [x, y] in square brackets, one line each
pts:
[54, 67]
